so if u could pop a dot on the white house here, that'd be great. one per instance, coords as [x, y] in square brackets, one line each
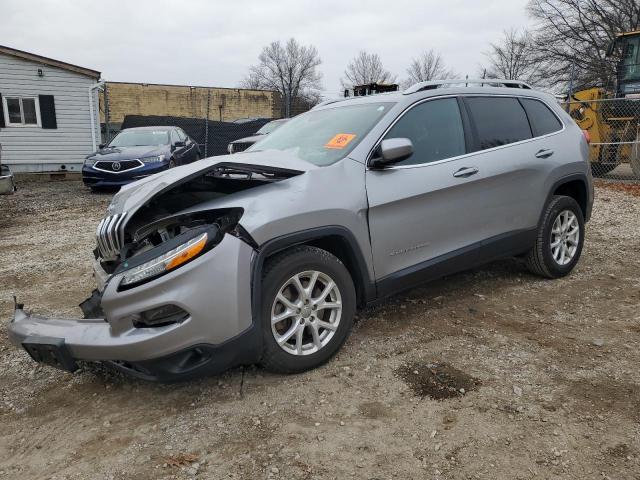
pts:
[48, 112]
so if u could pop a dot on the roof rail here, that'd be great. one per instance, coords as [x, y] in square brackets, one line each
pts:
[489, 82]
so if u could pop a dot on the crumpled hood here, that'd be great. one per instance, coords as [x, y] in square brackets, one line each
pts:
[128, 153]
[134, 195]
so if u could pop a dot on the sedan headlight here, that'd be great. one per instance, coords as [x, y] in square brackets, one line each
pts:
[165, 262]
[155, 159]
[89, 161]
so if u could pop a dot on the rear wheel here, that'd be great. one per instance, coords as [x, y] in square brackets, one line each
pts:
[172, 163]
[559, 241]
[307, 309]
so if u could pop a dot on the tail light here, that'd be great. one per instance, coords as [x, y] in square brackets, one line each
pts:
[587, 136]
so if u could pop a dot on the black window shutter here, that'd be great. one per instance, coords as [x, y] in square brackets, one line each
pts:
[1, 113]
[47, 111]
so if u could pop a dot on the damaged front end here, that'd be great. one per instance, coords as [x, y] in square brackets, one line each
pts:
[169, 214]
[173, 296]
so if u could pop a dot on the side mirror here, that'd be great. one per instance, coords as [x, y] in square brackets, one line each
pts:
[101, 146]
[177, 145]
[390, 151]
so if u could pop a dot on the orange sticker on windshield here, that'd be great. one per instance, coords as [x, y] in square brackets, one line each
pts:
[341, 140]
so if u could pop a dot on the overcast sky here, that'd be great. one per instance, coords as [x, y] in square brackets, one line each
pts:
[211, 43]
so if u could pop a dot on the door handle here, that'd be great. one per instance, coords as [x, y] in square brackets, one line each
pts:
[465, 172]
[544, 153]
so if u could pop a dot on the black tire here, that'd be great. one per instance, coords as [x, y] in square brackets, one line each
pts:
[172, 163]
[278, 270]
[540, 260]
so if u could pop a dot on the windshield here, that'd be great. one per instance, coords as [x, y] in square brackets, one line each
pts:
[323, 137]
[631, 59]
[139, 138]
[270, 127]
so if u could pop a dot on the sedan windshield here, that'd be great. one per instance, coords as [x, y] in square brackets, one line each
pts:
[139, 138]
[323, 137]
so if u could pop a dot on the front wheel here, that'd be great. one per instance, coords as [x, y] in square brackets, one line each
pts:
[559, 241]
[308, 305]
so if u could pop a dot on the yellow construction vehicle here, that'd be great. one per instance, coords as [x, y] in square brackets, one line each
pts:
[612, 116]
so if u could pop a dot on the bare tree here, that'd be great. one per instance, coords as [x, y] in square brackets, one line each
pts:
[366, 68]
[512, 57]
[428, 66]
[290, 69]
[573, 35]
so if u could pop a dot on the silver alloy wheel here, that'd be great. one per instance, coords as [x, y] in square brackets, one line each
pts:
[565, 236]
[306, 312]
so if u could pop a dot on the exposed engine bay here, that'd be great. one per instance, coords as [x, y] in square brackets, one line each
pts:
[166, 215]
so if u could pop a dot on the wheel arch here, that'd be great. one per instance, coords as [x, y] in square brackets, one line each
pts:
[337, 240]
[575, 186]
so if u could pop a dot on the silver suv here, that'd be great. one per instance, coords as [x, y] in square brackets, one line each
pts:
[265, 256]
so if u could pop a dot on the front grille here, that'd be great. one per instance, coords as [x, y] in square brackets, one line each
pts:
[241, 147]
[110, 236]
[118, 166]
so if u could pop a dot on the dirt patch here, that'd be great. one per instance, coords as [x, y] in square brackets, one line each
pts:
[602, 396]
[437, 380]
[621, 450]
[374, 410]
[630, 188]
[181, 459]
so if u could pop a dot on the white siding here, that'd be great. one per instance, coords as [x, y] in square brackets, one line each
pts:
[37, 149]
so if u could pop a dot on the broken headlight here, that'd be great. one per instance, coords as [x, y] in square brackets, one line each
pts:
[166, 262]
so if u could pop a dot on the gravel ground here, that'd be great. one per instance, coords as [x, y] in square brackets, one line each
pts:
[488, 374]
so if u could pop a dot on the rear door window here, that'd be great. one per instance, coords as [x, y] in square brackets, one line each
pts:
[435, 129]
[498, 121]
[543, 120]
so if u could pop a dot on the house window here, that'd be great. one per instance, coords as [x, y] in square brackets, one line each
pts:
[21, 111]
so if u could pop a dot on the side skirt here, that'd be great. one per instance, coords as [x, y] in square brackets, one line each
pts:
[501, 246]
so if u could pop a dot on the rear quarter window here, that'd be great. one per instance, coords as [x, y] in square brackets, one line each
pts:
[498, 121]
[543, 120]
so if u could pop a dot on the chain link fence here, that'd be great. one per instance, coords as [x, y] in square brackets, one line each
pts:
[215, 120]
[196, 110]
[614, 128]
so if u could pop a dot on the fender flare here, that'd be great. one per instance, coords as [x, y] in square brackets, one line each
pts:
[566, 179]
[278, 244]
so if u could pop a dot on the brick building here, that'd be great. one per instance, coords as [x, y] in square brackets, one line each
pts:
[214, 103]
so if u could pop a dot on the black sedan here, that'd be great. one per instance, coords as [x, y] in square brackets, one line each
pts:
[136, 153]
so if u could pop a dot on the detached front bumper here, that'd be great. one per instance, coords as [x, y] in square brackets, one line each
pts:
[217, 333]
